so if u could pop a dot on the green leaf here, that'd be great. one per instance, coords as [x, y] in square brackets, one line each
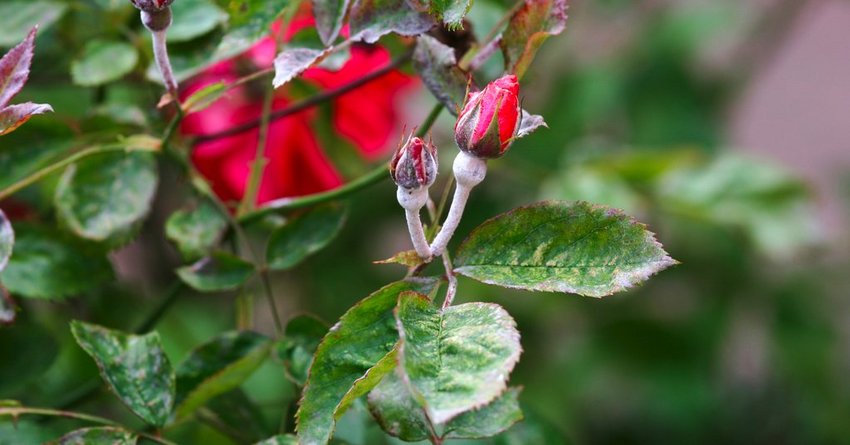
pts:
[249, 21]
[456, 359]
[17, 17]
[301, 338]
[218, 366]
[135, 367]
[329, 15]
[451, 12]
[363, 338]
[203, 98]
[218, 272]
[371, 19]
[292, 61]
[243, 418]
[102, 62]
[398, 414]
[48, 264]
[194, 18]
[105, 197]
[281, 439]
[304, 236]
[197, 231]
[103, 435]
[437, 65]
[561, 246]
[7, 240]
[27, 350]
[529, 27]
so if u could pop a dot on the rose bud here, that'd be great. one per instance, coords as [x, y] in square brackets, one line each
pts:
[151, 5]
[414, 164]
[489, 120]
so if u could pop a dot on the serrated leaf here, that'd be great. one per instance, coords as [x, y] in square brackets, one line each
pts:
[291, 62]
[218, 366]
[437, 66]
[561, 246]
[47, 264]
[398, 414]
[15, 68]
[364, 336]
[103, 61]
[304, 236]
[135, 367]
[102, 435]
[20, 16]
[16, 115]
[104, 197]
[329, 15]
[528, 28]
[456, 359]
[451, 12]
[281, 439]
[7, 240]
[301, 338]
[371, 19]
[219, 271]
[203, 98]
[194, 18]
[197, 231]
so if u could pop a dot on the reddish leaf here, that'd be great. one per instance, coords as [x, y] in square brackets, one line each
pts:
[529, 27]
[14, 116]
[15, 68]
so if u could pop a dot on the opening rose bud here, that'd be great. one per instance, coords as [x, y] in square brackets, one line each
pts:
[489, 120]
[414, 164]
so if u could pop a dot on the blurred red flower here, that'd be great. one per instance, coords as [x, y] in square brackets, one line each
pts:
[366, 116]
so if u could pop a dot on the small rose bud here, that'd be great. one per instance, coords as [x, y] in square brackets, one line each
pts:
[489, 120]
[414, 164]
[151, 5]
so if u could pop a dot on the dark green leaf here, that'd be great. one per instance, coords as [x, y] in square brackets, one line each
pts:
[451, 12]
[7, 240]
[561, 246]
[529, 27]
[27, 350]
[371, 19]
[281, 439]
[437, 65]
[218, 366]
[196, 232]
[47, 264]
[304, 236]
[301, 338]
[103, 435]
[364, 336]
[218, 272]
[135, 367]
[17, 17]
[105, 197]
[291, 62]
[102, 62]
[457, 359]
[329, 15]
[31, 148]
[193, 18]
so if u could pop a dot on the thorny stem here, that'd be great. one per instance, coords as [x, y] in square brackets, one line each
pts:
[160, 54]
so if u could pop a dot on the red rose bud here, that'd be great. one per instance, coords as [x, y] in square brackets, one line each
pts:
[151, 5]
[489, 120]
[414, 164]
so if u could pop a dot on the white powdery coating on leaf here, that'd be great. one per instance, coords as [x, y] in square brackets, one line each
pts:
[529, 123]
[293, 61]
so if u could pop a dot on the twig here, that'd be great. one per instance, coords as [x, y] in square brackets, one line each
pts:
[452, 279]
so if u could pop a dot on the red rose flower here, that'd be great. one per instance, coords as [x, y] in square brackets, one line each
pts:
[489, 120]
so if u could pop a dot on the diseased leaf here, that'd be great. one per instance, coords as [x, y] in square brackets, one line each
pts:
[456, 359]
[488, 421]
[197, 231]
[219, 271]
[7, 240]
[451, 12]
[102, 62]
[529, 123]
[437, 65]
[529, 27]
[371, 19]
[301, 338]
[105, 197]
[329, 15]
[15, 68]
[193, 18]
[291, 62]
[364, 336]
[204, 97]
[558, 246]
[304, 236]
[16, 115]
[407, 258]
[102, 435]
[20, 16]
[135, 367]
[47, 264]
[281, 439]
[218, 366]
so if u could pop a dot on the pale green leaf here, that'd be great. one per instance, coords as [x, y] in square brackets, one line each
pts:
[456, 359]
[364, 336]
[219, 271]
[17, 17]
[102, 62]
[102, 435]
[304, 236]
[203, 98]
[135, 367]
[197, 231]
[561, 246]
[218, 366]
[193, 18]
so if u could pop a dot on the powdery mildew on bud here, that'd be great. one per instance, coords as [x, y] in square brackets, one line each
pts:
[414, 164]
[489, 120]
